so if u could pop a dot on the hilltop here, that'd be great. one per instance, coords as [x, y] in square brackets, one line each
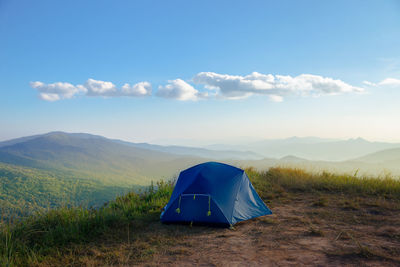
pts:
[319, 219]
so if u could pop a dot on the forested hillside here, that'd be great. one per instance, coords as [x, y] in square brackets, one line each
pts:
[24, 191]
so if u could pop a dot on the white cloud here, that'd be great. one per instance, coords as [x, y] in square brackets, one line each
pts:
[275, 86]
[180, 90]
[61, 90]
[385, 83]
[390, 82]
[100, 88]
[369, 83]
[49, 97]
[213, 85]
[55, 91]
[276, 98]
[139, 89]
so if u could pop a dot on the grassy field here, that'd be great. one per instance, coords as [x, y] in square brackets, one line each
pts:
[350, 220]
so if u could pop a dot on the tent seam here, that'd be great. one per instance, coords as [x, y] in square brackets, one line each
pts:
[216, 204]
[237, 191]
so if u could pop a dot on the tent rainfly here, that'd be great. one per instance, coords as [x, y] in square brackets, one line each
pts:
[214, 193]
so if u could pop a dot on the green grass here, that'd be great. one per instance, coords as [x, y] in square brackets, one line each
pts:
[279, 181]
[50, 233]
[31, 239]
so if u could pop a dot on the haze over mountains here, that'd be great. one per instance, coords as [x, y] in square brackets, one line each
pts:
[93, 157]
[121, 161]
[48, 170]
[311, 148]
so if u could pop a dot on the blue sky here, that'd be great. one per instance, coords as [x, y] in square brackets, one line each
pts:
[200, 70]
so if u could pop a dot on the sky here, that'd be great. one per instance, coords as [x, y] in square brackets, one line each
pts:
[200, 71]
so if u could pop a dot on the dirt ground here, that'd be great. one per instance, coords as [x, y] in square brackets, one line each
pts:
[305, 231]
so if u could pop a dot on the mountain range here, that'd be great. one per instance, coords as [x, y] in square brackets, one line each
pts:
[52, 169]
[92, 157]
[311, 148]
[116, 161]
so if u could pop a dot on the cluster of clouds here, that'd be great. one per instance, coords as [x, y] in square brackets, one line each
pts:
[63, 90]
[274, 86]
[213, 85]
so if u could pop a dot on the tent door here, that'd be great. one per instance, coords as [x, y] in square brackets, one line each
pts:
[194, 207]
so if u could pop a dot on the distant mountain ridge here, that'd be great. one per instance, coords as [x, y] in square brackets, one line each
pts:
[46, 170]
[384, 156]
[312, 148]
[116, 161]
[89, 156]
[173, 149]
[109, 160]
[196, 151]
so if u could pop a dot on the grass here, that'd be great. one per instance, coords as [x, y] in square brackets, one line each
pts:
[50, 237]
[281, 181]
[28, 241]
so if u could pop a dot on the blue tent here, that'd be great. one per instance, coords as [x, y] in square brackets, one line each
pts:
[213, 192]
